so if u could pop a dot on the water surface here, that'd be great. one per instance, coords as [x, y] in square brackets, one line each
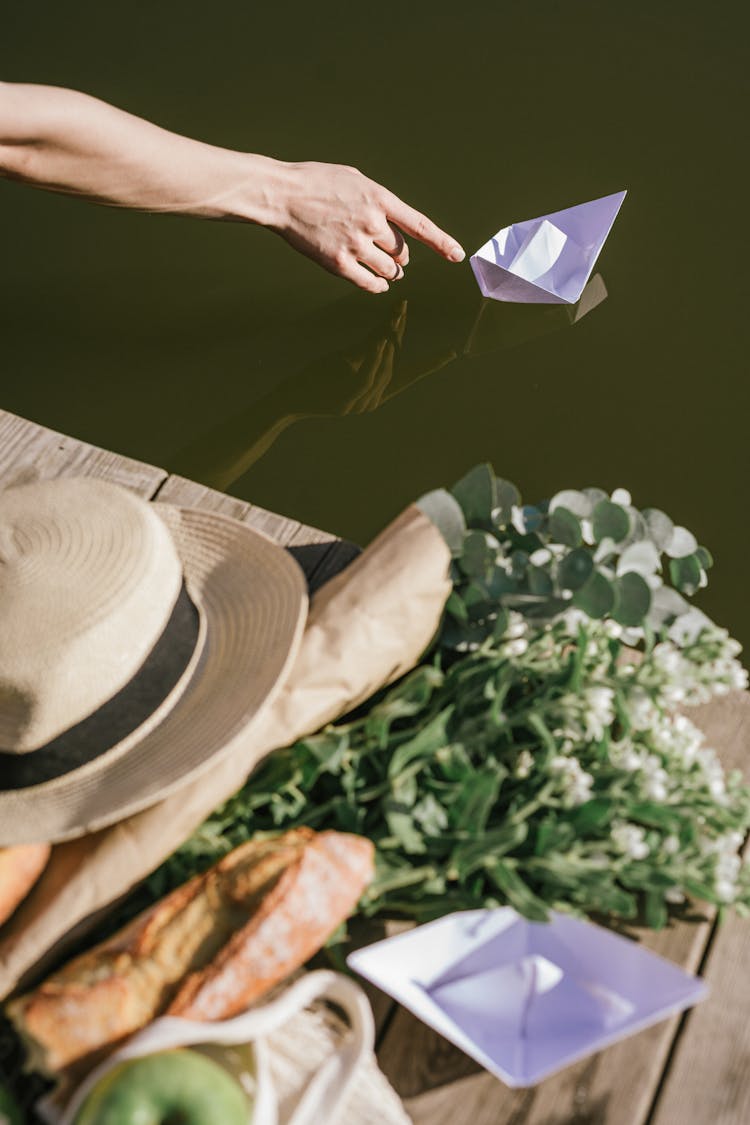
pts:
[214, 350]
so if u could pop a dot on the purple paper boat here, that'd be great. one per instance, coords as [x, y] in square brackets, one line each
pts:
[546, 260]
[526, 998]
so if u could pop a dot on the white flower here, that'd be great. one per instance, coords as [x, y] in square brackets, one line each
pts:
[725, 890]
[631, 839]
[642, 710]
[621, 496]
[516, 626]
[515, 648]
[625, 755]
[667, 658]
[524, 764]
[675, 895]
[671, 845]
[655, 789]
[598, 711]
[576, 782]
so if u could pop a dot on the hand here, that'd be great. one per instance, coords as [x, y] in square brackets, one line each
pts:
[351, 225]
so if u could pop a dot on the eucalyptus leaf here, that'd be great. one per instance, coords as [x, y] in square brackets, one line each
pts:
[506, 498]
[575, 568]
[596, 597]
[632, 599]
[565, 527]
[478, 555]
[476, 493]
[660, 527]
[578, 503]
[641, 557]
[682, 543]
[686, 573]
[447, 515]
[539, 581]
[610, 521]
[704, 557]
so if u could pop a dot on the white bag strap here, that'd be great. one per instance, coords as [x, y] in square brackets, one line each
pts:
[327, 1089]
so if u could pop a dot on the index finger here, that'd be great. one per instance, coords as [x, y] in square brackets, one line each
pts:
[417, 225]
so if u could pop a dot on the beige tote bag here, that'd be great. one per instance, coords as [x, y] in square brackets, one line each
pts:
[302, 1064]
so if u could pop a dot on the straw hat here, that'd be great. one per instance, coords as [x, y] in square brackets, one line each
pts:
[137, 641]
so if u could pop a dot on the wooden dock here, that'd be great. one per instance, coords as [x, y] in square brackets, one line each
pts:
[689, 1070]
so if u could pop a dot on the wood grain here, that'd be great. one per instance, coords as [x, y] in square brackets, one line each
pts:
[708, 1076]
[29, 452]
[320, 554]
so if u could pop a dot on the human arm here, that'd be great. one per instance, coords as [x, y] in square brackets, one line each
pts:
[70, 142]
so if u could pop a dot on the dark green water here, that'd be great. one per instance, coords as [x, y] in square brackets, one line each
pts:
[216, 351]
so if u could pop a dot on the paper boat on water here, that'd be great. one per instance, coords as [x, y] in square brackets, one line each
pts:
[546, 260]
[526, 998]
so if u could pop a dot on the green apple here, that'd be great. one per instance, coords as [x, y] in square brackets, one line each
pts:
[180, 1087]
[10, 1114]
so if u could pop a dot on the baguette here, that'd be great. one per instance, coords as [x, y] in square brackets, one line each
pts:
[206, 951]
[20, 867]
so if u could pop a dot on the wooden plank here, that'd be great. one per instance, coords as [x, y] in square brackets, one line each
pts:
[29, 451]
[320, 554]
[708, 1077]
[617, 1086]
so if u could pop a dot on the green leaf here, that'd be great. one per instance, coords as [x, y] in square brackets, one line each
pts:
[426, 742]
[519, 561]
[596, 597]
[553, 834]
[592, 815]
[685, 573]
[654, 815]
[533, 518]
[477, 494]
[456, 608]
[475, 798]
[500, 583]
[507, 497]
[704, 557]
[479, 554]
[445, 512]
[539, 581]
[565, 528]
[519, 895]
[610, 521]
[401, 825]
[632, 599]
[655, 910]
[471, 855]
[575, 569]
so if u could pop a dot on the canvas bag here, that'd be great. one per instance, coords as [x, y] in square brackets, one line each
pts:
[308, 1066]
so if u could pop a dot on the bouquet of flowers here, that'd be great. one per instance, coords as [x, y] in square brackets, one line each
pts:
[542, 754]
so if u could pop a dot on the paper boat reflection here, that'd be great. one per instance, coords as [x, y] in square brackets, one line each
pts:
[546, 260]
[526, 998]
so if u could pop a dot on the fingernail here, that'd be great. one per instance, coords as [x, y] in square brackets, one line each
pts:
[457, 254]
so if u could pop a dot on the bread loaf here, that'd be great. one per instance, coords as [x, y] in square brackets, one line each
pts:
[20, 867]
[205, 951]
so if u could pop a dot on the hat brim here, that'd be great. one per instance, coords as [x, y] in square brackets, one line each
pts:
[252, 597]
